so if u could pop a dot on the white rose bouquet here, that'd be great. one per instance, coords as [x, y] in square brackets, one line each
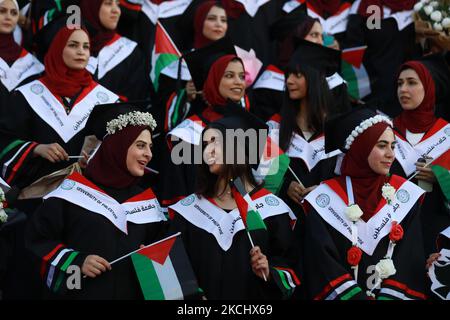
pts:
[436, 14]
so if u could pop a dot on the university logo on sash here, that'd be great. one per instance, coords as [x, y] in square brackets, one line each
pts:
[141, 209]
[330, 205]
[223, 225]
[22, 68]
[51, 110]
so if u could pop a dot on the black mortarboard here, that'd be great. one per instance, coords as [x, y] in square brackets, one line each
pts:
[200, 61]
[44, 37]
[316, 56]
[341, 126]
[103, 113]
[281, 28]
[238, 118]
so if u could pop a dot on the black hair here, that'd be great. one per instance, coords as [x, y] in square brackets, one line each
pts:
[317, 103]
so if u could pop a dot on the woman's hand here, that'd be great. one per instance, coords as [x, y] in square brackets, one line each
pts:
[191, 92]
[52, 152]
[295, 192]
[94, 266]
[259, 262]
[306, 191]
[433, 257]
[83, 161]
[425, 174]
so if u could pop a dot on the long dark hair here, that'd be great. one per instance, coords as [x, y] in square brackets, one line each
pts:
[207, 183]
[317, 102]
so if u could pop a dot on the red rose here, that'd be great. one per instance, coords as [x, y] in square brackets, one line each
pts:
[5, 204]
[354, 256]
[396, 233]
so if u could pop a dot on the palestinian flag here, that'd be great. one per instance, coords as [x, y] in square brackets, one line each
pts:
[354, 72]
[441, 169]
[250, 216]
[164, 270]
[273, 166]
[163, 54]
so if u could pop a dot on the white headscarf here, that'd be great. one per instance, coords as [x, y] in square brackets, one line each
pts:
[13, 1]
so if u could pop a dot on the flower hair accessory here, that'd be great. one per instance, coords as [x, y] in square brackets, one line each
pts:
[135, 118]
[3, 215]
[364, 126]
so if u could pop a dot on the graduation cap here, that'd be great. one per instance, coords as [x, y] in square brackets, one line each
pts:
[281, 28]
[103, 113]
[44, 37]
[338, 128]
[316, 56]
[200, 61]
[238, 118]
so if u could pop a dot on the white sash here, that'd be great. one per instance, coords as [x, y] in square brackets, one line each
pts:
[45, 104]
[222, 225]
[166, 9]
[331, 208]
[310, 152]
[252, 6]
[139, 212]
[270, 79]
[111, 56]
[189, 131]
[335, 80]
[446, 232]
[21, 69]
[172, 70]
[334, 24]
[434, 147]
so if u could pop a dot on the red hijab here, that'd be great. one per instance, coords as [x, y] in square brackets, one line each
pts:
[366, 183]
[91, 12]
[199, 19]
[59, 78]
[108, 167]
[422, 118]
[394, 5]
[326, 7]
[211, 87]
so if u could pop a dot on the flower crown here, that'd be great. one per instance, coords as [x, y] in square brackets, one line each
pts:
[135, 118]
[364, 126]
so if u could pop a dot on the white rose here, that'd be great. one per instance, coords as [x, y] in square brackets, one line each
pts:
[2, 195]
[3, 216]
[436, 16]
[434, 4]
[446, 23]
[1, 205]
[437, 26]
[428, 10]
[385, 268]
[353, 212]
[418, 6]
[388, 192]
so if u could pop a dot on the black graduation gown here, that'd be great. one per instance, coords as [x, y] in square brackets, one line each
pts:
[227, 275]
[129, 79]
[434, 215]
[327, 272]
[387, 49]
[58, 221]
[20, 124]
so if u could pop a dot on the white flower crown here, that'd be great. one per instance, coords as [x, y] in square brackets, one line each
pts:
[364, 126]
[135, 118]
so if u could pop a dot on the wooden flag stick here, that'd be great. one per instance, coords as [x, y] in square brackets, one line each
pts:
[417, 172]
[296, 178]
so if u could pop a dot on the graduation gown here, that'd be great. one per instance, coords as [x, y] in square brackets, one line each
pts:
[327, 273]
[36, 116]
[218, 247]
[120, 67]
[69, 226]
[25, 69]
[435, 143]
[387, 49]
